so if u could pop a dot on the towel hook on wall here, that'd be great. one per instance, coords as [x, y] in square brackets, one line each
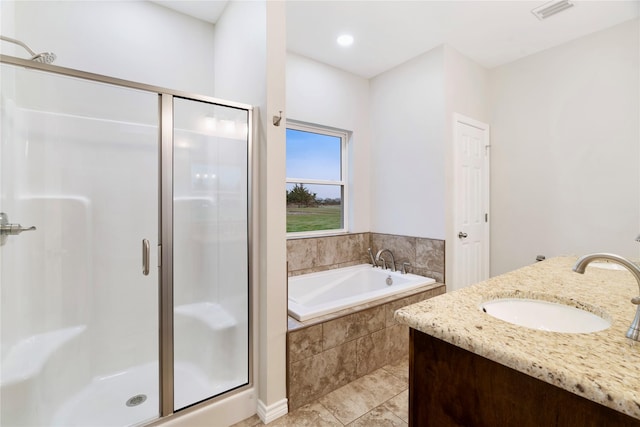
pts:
[277, 119]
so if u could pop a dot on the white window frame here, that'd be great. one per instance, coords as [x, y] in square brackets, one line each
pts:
[344, 138]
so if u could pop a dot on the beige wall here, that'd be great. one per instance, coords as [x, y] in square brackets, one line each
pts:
[257, 77]
[138, 41]
[466, 87]
[272, 300]
[408, 149]
[320, 94]
[566, 149]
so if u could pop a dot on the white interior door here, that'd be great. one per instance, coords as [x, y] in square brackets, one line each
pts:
[471, 209]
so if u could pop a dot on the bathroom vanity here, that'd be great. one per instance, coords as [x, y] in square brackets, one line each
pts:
[469, 368]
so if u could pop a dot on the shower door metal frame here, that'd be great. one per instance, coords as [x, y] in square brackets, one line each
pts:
[165, 221]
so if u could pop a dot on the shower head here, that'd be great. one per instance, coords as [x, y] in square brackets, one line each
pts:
[44, 57]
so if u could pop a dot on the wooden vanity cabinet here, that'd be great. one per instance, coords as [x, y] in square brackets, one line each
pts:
[450, 386]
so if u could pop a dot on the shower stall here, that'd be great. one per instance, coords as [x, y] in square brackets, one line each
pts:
[124, 248]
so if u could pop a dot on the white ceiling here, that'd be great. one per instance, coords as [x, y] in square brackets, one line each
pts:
[390, 32]
[204, 10]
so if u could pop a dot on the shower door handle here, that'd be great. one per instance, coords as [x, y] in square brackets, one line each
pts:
[146, 256]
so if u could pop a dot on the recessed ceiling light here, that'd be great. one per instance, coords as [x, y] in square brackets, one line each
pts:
[345, 40]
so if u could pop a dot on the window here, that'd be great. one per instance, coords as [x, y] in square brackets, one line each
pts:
[316, 171]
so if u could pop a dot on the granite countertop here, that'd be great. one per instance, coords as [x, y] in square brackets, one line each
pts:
[602, 366]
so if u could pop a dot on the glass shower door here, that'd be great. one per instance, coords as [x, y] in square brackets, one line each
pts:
[211, 257]
[79, 319]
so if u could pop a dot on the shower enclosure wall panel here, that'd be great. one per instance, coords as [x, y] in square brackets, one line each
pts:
[210, 187]
[95, 161]
[74, 303]
[79, 321]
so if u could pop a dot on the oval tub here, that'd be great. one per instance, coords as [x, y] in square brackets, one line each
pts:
[315, 294]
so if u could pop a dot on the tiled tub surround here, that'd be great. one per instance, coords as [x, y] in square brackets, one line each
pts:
[308, 255]
[600, 366]
[327, 352]
[330, 351]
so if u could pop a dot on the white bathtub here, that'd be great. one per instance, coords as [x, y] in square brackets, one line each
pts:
[315, 294]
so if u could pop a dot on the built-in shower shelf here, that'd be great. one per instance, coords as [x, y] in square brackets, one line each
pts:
[27, 358]
[211, 314]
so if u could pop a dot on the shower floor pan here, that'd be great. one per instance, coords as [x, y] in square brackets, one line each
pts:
[131, 397]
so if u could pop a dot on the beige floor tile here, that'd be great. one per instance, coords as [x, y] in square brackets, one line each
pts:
[362, 395]
[399, 369]
[378, 417]
[311, 415]
[399, 405]
[249, 422]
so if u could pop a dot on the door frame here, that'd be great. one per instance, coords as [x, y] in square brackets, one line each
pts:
[486, 190]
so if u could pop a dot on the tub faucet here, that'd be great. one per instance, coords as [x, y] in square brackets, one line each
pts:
[373, 260]
[393, 261]
[404, 267]
[634, 330]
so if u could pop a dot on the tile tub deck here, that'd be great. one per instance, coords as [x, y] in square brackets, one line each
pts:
[328, 352]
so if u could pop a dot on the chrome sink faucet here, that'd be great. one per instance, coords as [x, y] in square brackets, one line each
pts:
[384, 262]
[580, 266]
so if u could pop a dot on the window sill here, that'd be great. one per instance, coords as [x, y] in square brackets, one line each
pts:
[311, 234]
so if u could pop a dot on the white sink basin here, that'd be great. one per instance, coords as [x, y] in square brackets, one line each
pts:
[607, 265]
[544, 315]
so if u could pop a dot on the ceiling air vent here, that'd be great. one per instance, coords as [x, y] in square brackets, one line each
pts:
[551, 8]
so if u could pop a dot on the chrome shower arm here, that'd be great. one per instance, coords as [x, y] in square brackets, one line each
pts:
[19, 43]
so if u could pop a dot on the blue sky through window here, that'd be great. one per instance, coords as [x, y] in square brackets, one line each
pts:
[314, 156]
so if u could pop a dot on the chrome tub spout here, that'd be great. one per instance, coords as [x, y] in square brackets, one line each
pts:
[384, 263]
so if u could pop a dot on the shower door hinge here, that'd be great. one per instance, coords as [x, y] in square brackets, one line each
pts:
[159, 256]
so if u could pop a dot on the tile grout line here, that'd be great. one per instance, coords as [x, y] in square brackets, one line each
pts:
[373, 409]
[329, 411]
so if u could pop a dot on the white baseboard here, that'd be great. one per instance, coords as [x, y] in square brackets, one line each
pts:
[273, 411]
